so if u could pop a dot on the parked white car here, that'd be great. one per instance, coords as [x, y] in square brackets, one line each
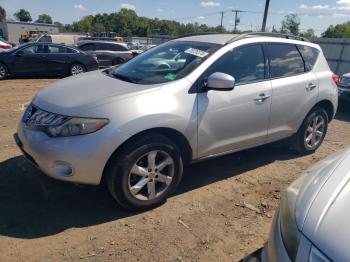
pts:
[4, 45]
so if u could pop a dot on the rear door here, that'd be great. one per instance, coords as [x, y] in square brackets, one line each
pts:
[30, 60]
[57, 59]
[294, 90]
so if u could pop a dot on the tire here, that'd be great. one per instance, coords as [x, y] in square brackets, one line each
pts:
[117, 61]
[312, 132]
[76, 69]
[132, 176]
[3, 72]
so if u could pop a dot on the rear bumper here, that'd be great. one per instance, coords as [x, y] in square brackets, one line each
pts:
[344, 93]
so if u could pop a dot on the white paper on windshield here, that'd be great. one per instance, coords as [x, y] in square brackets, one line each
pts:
[196, 52]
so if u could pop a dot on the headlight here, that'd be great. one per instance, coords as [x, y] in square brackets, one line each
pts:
[289, 230]
[55, 125]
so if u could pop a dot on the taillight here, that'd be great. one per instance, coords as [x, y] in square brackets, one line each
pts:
[5, 46]
[130, 54]
[94, 58]
[336, 79]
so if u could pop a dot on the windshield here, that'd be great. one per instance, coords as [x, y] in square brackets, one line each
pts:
[168, 62]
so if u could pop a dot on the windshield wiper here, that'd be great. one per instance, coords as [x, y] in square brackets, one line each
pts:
[123, 77]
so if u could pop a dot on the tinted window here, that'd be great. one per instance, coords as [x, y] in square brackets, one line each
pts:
[118, 48]
[285, 60]
[34, 49]
[310, 56]
[87, 47]
[53, 49]
[71, 51]
[245, 64]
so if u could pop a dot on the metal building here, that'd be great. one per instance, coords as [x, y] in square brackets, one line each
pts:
[12, 30]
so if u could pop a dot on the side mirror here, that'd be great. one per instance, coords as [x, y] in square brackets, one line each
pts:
[220, 82]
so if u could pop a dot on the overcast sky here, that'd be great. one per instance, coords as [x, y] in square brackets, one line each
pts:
[316, 14]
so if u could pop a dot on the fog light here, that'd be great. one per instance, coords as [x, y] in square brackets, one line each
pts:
[62, 168]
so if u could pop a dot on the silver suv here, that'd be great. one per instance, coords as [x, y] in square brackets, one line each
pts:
[190, 99]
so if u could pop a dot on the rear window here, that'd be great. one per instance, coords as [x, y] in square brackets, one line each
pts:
[310, 56]
[285, 60]
[110, 47]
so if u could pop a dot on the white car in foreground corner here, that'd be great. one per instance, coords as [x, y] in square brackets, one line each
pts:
[312, 223]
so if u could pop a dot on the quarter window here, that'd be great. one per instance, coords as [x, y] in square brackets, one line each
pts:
[57, 49]
[285, 60]
[310, 56]
[34, 49]
[246, 64]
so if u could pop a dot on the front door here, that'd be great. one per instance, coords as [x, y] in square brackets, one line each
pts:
[237, 119]
[30, 60]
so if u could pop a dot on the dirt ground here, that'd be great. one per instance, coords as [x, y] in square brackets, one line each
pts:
[222, 211]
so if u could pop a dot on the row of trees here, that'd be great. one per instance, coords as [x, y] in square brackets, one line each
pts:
[127, 22]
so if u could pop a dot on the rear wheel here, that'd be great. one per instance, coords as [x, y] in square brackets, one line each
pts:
[3, 72]
[312, 132]
[77, 69]
[145, 173]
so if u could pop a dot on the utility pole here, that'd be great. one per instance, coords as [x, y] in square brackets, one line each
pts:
[236, 19]
[267, 3]
[222, 18]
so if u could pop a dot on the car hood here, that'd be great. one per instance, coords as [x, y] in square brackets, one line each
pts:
[74, 95]
[324, 200]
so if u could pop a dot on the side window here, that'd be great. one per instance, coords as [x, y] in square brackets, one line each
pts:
[71, 51]
[246, 64]
[114, 47]
[310, 56]
[102, 46]
[54, 49]
[34, 49]
[285, 60]
[87, 47]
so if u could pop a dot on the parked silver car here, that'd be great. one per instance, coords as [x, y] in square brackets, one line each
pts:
[135, 127]
[312, 223]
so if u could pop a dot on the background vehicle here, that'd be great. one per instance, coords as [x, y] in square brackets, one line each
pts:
[312, 221]
[4, 45]
[44, 59]
[344, 87]
[213, 95]
[67, 39]
[108, 53]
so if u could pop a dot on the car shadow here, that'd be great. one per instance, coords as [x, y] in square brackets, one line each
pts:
[343, 113]
[33, 205]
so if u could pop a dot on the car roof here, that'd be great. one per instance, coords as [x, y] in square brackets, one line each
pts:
[98, 41]
[220, 39]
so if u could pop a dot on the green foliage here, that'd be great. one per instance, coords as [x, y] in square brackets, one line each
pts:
[338, 31]
[2, 13]
[310, 33]
[290, 24]
[44, 18]
[23, 16]
[126, 23]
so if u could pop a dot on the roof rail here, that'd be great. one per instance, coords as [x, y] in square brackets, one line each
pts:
[279, 35]
[200, 33]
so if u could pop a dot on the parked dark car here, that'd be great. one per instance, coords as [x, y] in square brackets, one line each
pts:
[108, 53]
[45, 59]
[344, 87]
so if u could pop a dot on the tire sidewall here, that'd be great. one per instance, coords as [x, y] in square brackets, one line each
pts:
[119, 176]
[6, 72]
[76, 64]
[301, 134]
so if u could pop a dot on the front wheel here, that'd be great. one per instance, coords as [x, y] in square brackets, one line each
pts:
[145, 173]
[77, 69]
[312, 132]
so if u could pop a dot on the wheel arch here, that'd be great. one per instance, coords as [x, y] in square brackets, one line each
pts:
[328, 106]
[170, 133]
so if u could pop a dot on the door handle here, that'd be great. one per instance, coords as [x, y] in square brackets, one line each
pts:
[261, 98]
[310, 86]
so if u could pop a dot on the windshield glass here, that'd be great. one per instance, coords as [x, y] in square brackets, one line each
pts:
[168, 62]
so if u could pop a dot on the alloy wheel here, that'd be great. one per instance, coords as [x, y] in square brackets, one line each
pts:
[314, 132]
[2, 72]
[77, 69]
[151, 175]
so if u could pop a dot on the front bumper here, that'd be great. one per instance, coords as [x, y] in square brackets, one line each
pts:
[78, 159]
